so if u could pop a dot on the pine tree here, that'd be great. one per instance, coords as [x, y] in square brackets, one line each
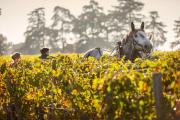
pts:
[156, 29]
[0, 11]
[62, 24]
[4, 45]
[35, 31]
[177, 34]
[89, 26]
[89, 22]
[123, 14]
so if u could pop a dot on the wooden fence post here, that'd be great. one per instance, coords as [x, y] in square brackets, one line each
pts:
[157, 90]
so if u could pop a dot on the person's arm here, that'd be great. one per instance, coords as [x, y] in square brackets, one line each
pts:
[12, 65]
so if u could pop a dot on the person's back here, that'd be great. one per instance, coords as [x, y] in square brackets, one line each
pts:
[16, 58]
[96, 53]
[45, 54]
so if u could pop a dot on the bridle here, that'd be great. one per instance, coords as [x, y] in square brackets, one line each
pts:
[135, 43]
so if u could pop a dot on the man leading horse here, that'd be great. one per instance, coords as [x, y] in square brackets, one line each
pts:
[135, 45]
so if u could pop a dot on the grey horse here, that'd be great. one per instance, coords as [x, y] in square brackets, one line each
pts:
[135, 45]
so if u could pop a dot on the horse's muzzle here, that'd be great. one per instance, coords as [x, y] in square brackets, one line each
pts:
[147, 48]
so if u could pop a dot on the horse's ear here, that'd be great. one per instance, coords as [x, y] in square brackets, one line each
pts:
[132, 26]
[142, 26]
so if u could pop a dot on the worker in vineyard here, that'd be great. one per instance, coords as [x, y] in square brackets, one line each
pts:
[16, 58]
[45, 54]
[96, 53]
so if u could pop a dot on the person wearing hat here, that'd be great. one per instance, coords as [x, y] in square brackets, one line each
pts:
[16, 58]
[45, 53]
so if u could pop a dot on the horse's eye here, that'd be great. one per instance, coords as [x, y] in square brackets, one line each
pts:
[135, 35]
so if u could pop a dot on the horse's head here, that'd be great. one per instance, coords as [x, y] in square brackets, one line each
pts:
[140, 39]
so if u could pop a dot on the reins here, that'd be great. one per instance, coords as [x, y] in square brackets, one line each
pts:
[136, 43]
[111, 51]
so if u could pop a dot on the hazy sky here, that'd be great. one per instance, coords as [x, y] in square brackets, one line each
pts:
[13, 21]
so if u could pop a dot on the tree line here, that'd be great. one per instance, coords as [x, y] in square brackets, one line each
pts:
[92, 28]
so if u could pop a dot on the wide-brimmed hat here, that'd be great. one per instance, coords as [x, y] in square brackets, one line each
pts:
[16, 55]
[44, 50]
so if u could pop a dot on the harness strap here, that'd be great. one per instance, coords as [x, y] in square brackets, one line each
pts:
[99, 51]
[136, 43]
[120, 49]
[112, 51]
